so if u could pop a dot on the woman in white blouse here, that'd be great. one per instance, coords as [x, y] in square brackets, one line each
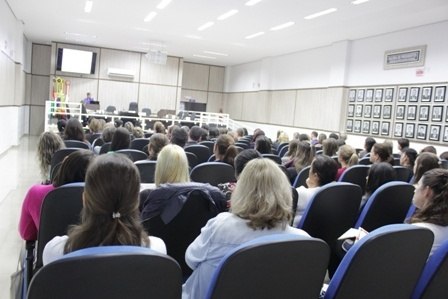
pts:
[110, 213]
[261, 205]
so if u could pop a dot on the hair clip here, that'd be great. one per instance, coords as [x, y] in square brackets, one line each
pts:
[116, 215]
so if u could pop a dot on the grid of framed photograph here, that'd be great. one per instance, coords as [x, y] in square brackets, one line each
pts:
[414, 112]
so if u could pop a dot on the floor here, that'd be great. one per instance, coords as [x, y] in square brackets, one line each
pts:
[19, 170]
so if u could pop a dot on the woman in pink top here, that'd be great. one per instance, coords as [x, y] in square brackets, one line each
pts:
[72, 170]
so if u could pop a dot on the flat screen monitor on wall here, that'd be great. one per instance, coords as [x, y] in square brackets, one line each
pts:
[76, 61]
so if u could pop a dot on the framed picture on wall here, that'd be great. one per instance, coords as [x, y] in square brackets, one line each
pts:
[352, 95]
[377, 111]
[409, 132]
[389, 95]
[385, 128]
[402, 93]
[437, 112]
[349, 126]
[421, 131]
[445, 134]
[426, 94]
[351, 110]
[412, 112]
[398, 131]
[399, 114]
[358, 112]
[369, 95]
[423, 113]
[368, 111]
[387, 111]
[413, 94]
[434, 132]
[366, 126]
[375, 127]
[357, 128]
[378, 95]
[360, 95]
[439, 94]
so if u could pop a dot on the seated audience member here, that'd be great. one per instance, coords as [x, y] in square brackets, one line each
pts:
[295, 135]
[158, 127]
[74, 131]
[155, 145]
[304, 157]
[323, 171]
[330, 147]
[239, 133]
[110, 211]
[130, 127]
[431, 201]
[347, 157]
[120, 140]
[263, 145]
[282, 137]
[342, 139]
[179, 137]
[138, 132]
[403, 143]
[292, 150]
[423, 163]
[48, 144]
[381, 153]
[320, 141]
[225, 150]
[261, 205]
[368, 144]
[204, 136]
[213, 133]
[444, 156]
[257, 133]
[106, 136]
[408, 157]
[429, 149]
[334, 136]
[172, 180]
[194, 135]
[72, 170]
[314, 139]
[118, 123]
[95, 127]
[304, 137]
[379, 174]
[169, 131]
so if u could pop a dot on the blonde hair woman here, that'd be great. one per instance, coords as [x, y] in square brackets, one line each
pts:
[261, 205]
[47, 145]
[172, 166]
[347, 157]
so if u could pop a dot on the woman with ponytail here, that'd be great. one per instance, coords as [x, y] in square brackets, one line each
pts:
[347, 157]
[110, 213]
[225, 150]
[431, 201]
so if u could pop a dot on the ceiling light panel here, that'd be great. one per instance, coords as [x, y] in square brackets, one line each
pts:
[150, 16]
[252, 2]
[88, 6]
[356, 2]
[205, 26]
[163, 4]
[216, 53]
[228, 14]
[282, 26]
[204, 56]
[255, 35]
[321, 13]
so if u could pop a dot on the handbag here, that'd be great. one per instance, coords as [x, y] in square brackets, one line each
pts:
[17, 290]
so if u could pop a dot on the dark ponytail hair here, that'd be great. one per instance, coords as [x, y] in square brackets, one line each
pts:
[226, 149]
[110, 214]
[436, 212]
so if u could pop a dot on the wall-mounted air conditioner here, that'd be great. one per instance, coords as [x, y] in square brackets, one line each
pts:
[122, 73]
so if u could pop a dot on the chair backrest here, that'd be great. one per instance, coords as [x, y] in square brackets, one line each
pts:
[201, 151]
[54, 171]
[364, 161]
[111, 109]
[97, 142]
[147, 171]
[181, 231]
[396, 161]
[243, 145]
[275, 266]
[139, 144]
[147, 111]
[133, 106]
[76, 144]
[444, 163]
[432, 282]
[357, 175]
[273, 157]
[134, 155]
[209, 144]
[93, 137]
[59, 156]
[212, 158]
[109, 272]
[404, 174]
[60, 209]
[214, 173]
[282, 145]
[105, 148]
[330, 213]
[192, 159]
[301, 177]
[389, 204]
[283, 151]
[384, 264]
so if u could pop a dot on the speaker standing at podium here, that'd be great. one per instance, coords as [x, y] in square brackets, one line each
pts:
[89, 99]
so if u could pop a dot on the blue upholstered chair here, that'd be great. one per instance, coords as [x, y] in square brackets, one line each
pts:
[109, 272]
[213, 173]
[134, 155]
[277, 266]
[147, 170]
[384, 264]
[301, 177]
[357, 175]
